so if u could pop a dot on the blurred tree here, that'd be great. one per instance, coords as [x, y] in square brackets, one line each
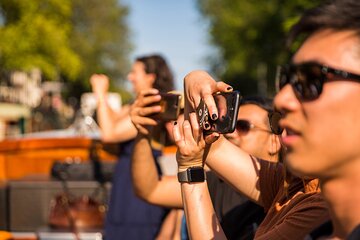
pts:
[67, 39]
[35, 34]
[100, 36]
[250, 37]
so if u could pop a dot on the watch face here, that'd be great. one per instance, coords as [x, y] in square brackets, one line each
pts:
[196, 174]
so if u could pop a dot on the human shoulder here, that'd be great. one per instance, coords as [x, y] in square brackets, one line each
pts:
[268, 167]
[295, 216]
[271, 178]
[312, 201]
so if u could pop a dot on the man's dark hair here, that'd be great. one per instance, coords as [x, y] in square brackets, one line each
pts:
[260, 101]
[339, 15]
[157, 65]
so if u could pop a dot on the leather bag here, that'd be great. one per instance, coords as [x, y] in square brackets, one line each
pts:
[79, 213]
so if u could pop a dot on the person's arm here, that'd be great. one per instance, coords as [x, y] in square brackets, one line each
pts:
[229, 161]
[148, 185]
[168, 228]
[178, 228]
[114, 126]
[201, 219]
[236, 167]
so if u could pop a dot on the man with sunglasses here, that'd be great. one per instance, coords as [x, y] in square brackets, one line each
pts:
[319, 92]
[239, 217]
[318, 100]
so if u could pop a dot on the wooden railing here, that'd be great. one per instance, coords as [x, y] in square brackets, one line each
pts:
[20, 158]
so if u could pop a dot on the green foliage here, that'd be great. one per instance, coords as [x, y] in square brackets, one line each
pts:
[36, 34]
[100, 36]
[250, 37]
[67, 39]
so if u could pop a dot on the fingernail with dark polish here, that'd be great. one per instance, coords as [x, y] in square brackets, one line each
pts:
[229, 88]
[214, 116]
[206, 125]
[175, 123]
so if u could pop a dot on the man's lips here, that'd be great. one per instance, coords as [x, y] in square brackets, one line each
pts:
[292, 135]
[290, 140]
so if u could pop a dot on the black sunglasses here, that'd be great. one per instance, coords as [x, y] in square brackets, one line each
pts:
[307, 79]
[274, 118]
[244, 126]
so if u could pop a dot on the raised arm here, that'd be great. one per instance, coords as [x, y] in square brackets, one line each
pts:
[202, 222]
[229, 161]
[148, 185]
[115, 126]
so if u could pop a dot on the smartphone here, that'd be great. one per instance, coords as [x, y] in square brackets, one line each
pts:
[227, 104]
[170, 107]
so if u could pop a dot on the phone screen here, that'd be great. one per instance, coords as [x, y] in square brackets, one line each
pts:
[227, 104]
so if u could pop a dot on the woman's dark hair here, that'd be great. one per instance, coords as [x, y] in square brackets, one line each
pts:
[339, 15]
[262, 102]
[157, 65]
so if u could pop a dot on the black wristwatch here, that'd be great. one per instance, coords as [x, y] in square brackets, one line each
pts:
[192, 175]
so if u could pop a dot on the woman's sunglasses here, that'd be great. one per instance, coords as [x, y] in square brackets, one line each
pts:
[307, 79]
[244, 126]
[274, 118]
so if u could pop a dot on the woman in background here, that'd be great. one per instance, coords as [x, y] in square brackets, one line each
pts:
[128, 216]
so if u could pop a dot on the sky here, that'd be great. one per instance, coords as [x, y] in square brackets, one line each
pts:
[173, 28]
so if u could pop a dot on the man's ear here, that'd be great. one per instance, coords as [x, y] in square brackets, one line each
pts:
[275, 145]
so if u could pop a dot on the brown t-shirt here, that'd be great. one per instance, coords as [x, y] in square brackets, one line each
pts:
[292, 213]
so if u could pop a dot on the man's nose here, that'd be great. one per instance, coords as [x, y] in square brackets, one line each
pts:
[286, 100]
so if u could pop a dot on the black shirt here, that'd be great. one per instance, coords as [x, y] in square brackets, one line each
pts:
[239, 217]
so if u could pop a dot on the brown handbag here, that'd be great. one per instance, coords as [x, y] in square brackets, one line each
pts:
[79, 213]
[67, 211]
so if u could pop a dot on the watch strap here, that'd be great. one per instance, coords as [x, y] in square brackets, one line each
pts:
[192, 174]
[183, 176]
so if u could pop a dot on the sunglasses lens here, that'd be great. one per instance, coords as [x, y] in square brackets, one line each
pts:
[243, 126]
[274, 118]
[306, 80]
[310, 81]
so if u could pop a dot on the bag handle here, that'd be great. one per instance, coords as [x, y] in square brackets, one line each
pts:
[94, 158]
[66, 202]
[98, 171]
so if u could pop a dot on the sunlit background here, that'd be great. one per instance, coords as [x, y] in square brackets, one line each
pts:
[172, 28]
[49, 49]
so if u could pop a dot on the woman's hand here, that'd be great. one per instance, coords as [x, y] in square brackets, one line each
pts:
[191, 144]
[200, 85]
[100, 85]
[140, 110]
